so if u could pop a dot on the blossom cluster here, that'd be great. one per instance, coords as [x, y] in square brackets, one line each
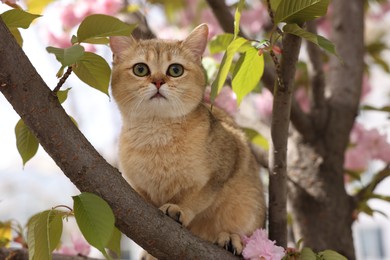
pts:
[259, 247]
[366, 145]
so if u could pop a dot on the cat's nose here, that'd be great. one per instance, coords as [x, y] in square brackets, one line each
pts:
[158, 83]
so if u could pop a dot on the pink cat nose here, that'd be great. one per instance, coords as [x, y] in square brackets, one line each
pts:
[158, 83]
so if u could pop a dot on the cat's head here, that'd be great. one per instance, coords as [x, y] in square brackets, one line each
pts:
[158, 78]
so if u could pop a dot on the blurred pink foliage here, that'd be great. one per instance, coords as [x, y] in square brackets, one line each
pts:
[259, 247]
[71, 14]
[79, 247]
[263, 103]
[366, 145]
[226, 99]
[303, 99]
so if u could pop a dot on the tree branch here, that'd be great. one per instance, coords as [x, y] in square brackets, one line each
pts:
[377, 179]
[317, 80]
[84, 166]
[279, 135]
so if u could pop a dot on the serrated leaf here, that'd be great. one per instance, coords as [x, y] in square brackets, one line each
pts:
[247, 73]
[37, 7]
[68, 56]
[94, 71]
[237, 17]
[115, 242]
[257, 138]
[17, 18]
[314, 38]
[44, 234]
[62, 95]
[225, 66]
[220, 42]
[100, 25]
[331, 255]
[307, 254]
[26, 142]
[95, 219]
[300, 11]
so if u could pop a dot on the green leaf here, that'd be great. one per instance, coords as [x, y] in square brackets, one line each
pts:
[247, 73]
[307, 254]
[68, 56]
[100, 25]
[225, 66]
[95, 219]
[274, 4]
[257, 138]
[62, 95]
[331, 255]
[220, 42]
[237, 17]
[18, 37]
[94, 71]
[17, 18]
[314, 38]
[300, 11]
[26, 142]
[44, 234]
[382, 109]
[115, 242]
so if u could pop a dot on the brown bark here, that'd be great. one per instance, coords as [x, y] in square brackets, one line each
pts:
[321, 208]
[80, 162]
[279, 135]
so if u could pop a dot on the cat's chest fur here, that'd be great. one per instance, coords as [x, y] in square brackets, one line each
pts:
[160, 160]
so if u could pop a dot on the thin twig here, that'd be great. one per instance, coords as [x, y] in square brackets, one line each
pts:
[63, 79]
[378, 178]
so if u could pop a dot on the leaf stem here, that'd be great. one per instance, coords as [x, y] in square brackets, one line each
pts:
[63, 79]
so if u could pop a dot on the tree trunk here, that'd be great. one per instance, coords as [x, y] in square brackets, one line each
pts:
[321, 208]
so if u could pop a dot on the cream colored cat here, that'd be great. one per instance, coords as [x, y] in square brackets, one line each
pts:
[193, 163]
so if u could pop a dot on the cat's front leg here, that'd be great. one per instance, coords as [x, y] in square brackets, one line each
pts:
[181, 215]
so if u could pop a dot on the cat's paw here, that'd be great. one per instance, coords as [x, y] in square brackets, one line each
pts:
[175, 212]
[231, 242]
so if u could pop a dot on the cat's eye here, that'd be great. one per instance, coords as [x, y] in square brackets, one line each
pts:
[141, 69]
[175, 70]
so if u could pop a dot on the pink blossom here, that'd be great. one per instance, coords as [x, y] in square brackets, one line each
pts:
[226, 100]
[79, 247]
[367, 145]
[263, 103]
[259, 247]
[68, 17]
[60, 41]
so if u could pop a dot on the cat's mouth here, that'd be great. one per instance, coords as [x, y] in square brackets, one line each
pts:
[158, 95]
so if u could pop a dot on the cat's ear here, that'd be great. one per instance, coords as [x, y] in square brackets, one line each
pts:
[119, 44]
[197, 40]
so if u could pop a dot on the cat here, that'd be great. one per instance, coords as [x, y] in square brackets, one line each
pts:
[191, 161]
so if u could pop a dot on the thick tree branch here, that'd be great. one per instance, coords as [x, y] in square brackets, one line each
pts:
[80, 162]
[279, 135]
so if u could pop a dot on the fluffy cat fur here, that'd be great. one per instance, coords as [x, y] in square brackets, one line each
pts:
[193, 163]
